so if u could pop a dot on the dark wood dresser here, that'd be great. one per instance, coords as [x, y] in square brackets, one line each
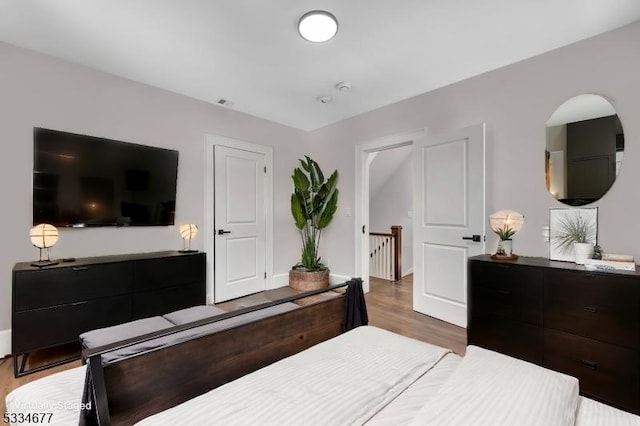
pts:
[54, 305]
[559, 315]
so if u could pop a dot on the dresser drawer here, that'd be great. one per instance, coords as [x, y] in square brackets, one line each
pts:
[508, 291]
[606, 372]
[50, 287]
[56, 325]
[166, 300]
[601, 307]
[154, 274]
[520, 340]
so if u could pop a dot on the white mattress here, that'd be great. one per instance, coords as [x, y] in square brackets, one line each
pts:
[593, 413]
[402, 409]
[343, 381]
[494, 389]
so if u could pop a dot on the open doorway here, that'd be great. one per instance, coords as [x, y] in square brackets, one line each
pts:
[390, 213]
[448, 210]
[366, 154]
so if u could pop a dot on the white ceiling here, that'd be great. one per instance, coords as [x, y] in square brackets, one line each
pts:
[249, 52]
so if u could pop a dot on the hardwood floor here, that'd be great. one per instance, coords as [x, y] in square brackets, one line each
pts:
[389, 305]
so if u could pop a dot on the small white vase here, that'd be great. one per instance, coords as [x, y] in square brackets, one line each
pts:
[582, 252]
[507, 246]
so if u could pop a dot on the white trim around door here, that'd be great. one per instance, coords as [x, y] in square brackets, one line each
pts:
[210, 142]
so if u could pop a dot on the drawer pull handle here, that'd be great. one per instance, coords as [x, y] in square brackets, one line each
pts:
[590, 364]
[80, 268]
[505, 292]
[592, 309]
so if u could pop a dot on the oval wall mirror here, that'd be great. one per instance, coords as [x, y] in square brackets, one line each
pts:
[585, 145]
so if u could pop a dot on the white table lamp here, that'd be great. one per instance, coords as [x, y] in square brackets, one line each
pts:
[188, 231]
[44, 236]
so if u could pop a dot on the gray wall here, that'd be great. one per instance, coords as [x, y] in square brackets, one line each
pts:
[36, 90]
[515, 102]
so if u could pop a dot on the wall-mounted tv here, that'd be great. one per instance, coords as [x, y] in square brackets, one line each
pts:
[81, 181]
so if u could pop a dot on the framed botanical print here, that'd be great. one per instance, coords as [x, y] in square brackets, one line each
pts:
[569, 226]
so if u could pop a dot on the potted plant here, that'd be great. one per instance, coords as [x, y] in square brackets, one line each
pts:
[575, 234]
[505, 245]
[313, 203]
[505, 223]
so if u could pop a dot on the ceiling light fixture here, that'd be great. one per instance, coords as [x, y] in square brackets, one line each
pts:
[317, 26]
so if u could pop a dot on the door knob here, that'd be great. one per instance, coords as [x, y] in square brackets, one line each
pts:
[222, 231]
[475, 238]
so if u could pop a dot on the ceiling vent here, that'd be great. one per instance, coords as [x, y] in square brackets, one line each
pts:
[224, 102]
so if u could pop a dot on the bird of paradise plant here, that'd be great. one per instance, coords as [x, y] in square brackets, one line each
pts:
[313, 203]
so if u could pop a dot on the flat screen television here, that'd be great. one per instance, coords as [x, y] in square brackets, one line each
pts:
[81, 181]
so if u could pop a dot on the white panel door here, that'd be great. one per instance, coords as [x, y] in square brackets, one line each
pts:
[449, 210]
[240, 223]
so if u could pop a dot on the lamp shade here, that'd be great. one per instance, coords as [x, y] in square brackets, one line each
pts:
[503, 219]
[43, 235]
[188, 231]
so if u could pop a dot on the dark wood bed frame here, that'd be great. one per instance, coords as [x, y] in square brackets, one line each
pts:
[133, 388]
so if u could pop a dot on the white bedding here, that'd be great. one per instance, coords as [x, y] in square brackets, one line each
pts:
[402, 409]
[593, 413]
[59, 394]
[495, 389]
[343, 381]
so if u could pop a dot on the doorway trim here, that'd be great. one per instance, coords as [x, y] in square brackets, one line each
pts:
[362, 192]
[210, 141]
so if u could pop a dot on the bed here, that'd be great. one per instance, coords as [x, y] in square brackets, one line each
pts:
[364, 376]
[375, 377]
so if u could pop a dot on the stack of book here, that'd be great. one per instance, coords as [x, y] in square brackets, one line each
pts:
[621, 262]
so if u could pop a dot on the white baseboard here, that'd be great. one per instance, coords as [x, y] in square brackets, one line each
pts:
[5, 343]
[278, 280]
[409, 272]
[338, 278]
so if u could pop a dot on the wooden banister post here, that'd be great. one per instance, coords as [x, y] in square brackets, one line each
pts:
[396, 230]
